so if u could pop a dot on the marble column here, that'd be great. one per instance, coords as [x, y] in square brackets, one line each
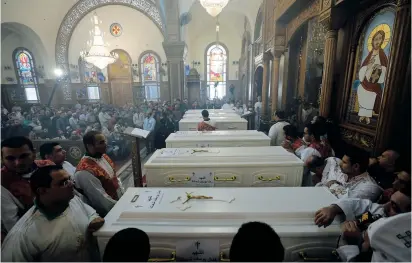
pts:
[275, 82]
[174, 53]
[265, 83]
[328, 71]
[396, 77]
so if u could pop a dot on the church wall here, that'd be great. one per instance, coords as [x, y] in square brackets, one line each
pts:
[202, 32]
[139, 33]
[8, 45]
[43, 17]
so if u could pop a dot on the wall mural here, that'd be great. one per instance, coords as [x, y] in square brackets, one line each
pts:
[372, 62]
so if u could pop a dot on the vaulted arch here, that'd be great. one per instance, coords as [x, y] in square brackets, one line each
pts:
[80, 10]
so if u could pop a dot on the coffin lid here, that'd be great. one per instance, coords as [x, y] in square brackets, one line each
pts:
[290, 207]
[223, 157]
[218, 136]
[218, 119]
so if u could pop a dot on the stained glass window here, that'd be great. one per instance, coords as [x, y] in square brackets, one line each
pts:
[216, 71]
[150, 76]
[26, 74]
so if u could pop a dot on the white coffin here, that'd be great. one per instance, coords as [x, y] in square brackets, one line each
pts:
[230, 167]
[211, 115]
[290, 211]
[194, 139]
[210, 111]
[222, 123]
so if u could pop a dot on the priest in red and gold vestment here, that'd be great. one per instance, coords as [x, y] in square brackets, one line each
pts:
[96, 175]
[206, 124]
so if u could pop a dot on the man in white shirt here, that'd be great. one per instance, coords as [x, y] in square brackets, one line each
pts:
[138, 119]
[52, 151]
[104, 118]
[228, 105]
[276, 132]
[149, 124]
[57, 227]
[258, 104]
[348, 178]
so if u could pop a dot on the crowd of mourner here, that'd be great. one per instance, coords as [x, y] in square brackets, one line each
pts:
[49, 206]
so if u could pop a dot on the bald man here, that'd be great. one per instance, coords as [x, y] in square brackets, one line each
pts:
[383, 168]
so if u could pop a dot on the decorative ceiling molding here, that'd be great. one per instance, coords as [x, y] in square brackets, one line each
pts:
[78, 12]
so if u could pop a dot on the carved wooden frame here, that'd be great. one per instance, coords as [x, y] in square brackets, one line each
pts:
[359, 135]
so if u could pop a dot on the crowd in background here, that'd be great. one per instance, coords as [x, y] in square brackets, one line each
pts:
[71, 122]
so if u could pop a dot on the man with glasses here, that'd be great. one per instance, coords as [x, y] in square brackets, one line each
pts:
[57, 227]
[354, 240]
[352, 208]
[18, 156]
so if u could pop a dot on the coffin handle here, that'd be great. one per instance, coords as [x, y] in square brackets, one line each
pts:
[263, 179]
[231, 127]
[230, 179]
[172, 259]
[222, 257]
[173, 180]
[305, 258]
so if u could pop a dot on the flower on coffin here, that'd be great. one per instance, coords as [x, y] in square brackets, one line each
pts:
[189, 197]
[199, 151]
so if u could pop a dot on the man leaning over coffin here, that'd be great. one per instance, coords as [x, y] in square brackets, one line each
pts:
[346, 178]
[372, 232]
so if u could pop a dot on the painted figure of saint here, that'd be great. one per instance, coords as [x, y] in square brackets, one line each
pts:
[372, 77]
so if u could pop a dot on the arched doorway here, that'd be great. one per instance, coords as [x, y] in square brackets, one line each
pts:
[258, 82]
[120, 79]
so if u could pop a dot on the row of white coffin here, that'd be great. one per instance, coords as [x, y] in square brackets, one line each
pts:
[290, 211]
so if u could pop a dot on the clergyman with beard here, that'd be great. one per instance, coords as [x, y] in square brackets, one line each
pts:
[96, 174]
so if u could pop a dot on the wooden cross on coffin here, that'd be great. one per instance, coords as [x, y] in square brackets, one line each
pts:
[136, 159]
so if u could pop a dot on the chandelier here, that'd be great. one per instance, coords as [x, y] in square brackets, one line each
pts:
[98, 54]
[214, 7]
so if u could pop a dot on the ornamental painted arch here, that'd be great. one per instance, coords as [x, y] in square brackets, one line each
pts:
[78, 12]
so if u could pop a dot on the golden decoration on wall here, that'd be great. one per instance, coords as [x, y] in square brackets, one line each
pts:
[355, 137]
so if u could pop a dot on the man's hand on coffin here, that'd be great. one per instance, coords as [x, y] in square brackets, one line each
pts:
[325, 216]
[351, 234]
[96, 224]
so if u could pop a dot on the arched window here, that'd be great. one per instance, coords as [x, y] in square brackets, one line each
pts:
[216, 71]
[26, 74]
[150, 75]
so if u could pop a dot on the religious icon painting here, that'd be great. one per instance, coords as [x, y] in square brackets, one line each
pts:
[116, 29]
[371, 65]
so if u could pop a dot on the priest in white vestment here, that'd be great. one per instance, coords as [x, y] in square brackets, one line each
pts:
[57, 227]
[389, 238]
[348, 178]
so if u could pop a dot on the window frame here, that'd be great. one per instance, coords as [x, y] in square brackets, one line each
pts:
[21, 85]
[210, 84]
[149, 84]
